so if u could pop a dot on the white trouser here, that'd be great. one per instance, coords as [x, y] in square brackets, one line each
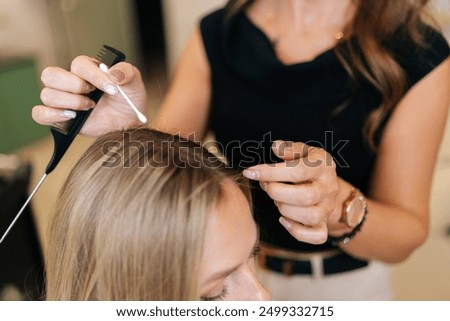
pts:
[370, 283]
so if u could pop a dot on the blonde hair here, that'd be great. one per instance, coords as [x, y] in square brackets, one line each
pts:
[364, 52]
[130, 220]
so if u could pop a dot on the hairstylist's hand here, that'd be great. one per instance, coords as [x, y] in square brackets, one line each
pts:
[65, 91]
[304, 188]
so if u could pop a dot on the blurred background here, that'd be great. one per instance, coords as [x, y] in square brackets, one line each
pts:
[39, 33]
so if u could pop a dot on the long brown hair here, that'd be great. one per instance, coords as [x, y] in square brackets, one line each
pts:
[363, 51]
[130, 220]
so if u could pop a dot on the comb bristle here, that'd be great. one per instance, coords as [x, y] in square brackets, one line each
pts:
[108, 56]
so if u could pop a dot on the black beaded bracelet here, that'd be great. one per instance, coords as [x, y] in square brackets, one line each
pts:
[348, 236]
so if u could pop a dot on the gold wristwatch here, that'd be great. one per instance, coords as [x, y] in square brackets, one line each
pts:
[354, 213]
[354, 209]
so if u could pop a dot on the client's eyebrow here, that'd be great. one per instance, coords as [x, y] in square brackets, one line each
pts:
[224, 274]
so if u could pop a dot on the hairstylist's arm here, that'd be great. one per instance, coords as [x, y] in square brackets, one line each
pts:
[398, 200]
[185, 108]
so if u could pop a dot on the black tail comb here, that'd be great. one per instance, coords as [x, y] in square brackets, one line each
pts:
[65, 132]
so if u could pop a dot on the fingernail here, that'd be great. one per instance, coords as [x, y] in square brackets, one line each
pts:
[282, 144]
[68, 114]
[277, 143]
[116, 75]
[91, 104]
[285, 223]
[251, 174]
[111, 89]
[263, 185]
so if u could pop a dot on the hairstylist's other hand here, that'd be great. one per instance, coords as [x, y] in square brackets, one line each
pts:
[304, 188]
[66, 91]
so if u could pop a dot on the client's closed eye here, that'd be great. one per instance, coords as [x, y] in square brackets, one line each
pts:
[217, 297]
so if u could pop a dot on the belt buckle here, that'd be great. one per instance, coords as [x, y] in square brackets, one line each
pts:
[287, 266]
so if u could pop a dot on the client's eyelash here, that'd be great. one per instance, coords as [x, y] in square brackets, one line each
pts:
[217, 297]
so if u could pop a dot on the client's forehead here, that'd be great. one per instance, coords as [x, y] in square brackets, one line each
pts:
[231, 232]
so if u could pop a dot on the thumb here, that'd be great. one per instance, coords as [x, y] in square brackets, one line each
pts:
[124, 73]
[287, 150]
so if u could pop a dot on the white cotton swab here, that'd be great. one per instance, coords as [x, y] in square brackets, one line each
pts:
[139, 115]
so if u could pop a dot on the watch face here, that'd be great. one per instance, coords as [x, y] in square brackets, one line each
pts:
[355, 211]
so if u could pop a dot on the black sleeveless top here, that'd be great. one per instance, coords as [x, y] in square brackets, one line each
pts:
[257, 99]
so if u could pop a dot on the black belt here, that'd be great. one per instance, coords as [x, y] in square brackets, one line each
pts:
[331, 265]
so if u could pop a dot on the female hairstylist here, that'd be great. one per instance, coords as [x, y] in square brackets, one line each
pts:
[363, 82]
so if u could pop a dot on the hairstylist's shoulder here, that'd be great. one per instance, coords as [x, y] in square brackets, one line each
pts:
[432, 52]
[211, 26]
[212, 19]
[437, 46]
